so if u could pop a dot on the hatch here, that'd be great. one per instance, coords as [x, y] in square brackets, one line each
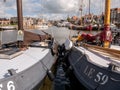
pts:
[9, 53]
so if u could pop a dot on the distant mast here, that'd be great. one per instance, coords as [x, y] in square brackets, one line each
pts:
[89, 6]
[81, 10]
[81, 7]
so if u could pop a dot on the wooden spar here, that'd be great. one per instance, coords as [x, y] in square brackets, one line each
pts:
[107, 12]
[19, 14]
[106, 34]
[20, 23]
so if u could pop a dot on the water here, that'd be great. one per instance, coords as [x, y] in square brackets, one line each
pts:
[60, 35]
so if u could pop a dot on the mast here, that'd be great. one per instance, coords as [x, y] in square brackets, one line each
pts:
[89, 7]
[107, 38]
[20, 36]
[81, 9]
[107, 12]
[19, 14]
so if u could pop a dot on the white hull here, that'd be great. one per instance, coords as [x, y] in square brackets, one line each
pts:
[41, 27]
[28, 69]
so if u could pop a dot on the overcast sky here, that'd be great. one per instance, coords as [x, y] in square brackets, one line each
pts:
[53, 9]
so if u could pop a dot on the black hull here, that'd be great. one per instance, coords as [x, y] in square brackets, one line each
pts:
[75, 27]
[92, 76]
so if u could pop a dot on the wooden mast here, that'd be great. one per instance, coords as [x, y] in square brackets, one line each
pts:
[19, 14]
[107, 13]
[20, 35]
[20, 22]
[107, 35]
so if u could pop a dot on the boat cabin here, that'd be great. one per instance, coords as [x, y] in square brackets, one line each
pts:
[7, 35]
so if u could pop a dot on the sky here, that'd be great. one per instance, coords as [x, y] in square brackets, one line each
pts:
[53, 9]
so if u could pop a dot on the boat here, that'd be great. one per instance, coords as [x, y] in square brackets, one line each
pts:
[86, 23]
[103, 38]
[25, 57]
[7, 28]
[41, 27]
[86, 28]
[23, 68]
[96, 67]
[95, 70]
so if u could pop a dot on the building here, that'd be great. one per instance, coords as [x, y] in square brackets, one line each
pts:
[4, 21]
[13, 20]
[115, 15]
[27, 21]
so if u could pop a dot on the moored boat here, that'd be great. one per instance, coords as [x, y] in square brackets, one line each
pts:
[23, 68]
[97, 68]
[95, 71]
[25, 57]
[41, 27]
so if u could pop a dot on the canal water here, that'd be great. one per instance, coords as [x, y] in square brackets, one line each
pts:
[61, 34]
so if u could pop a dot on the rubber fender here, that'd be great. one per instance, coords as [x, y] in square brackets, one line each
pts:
[50, 75]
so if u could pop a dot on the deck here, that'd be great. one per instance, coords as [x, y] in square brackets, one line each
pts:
[23, 61]
[99, 59]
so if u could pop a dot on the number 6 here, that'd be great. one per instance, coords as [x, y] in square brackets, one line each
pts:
[10, 85]
[1, 86]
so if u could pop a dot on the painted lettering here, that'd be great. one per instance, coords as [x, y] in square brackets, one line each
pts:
[89, 71]
[1, 86]
[10, 85]
[101, 78]
[86, 70]
[92, 70]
